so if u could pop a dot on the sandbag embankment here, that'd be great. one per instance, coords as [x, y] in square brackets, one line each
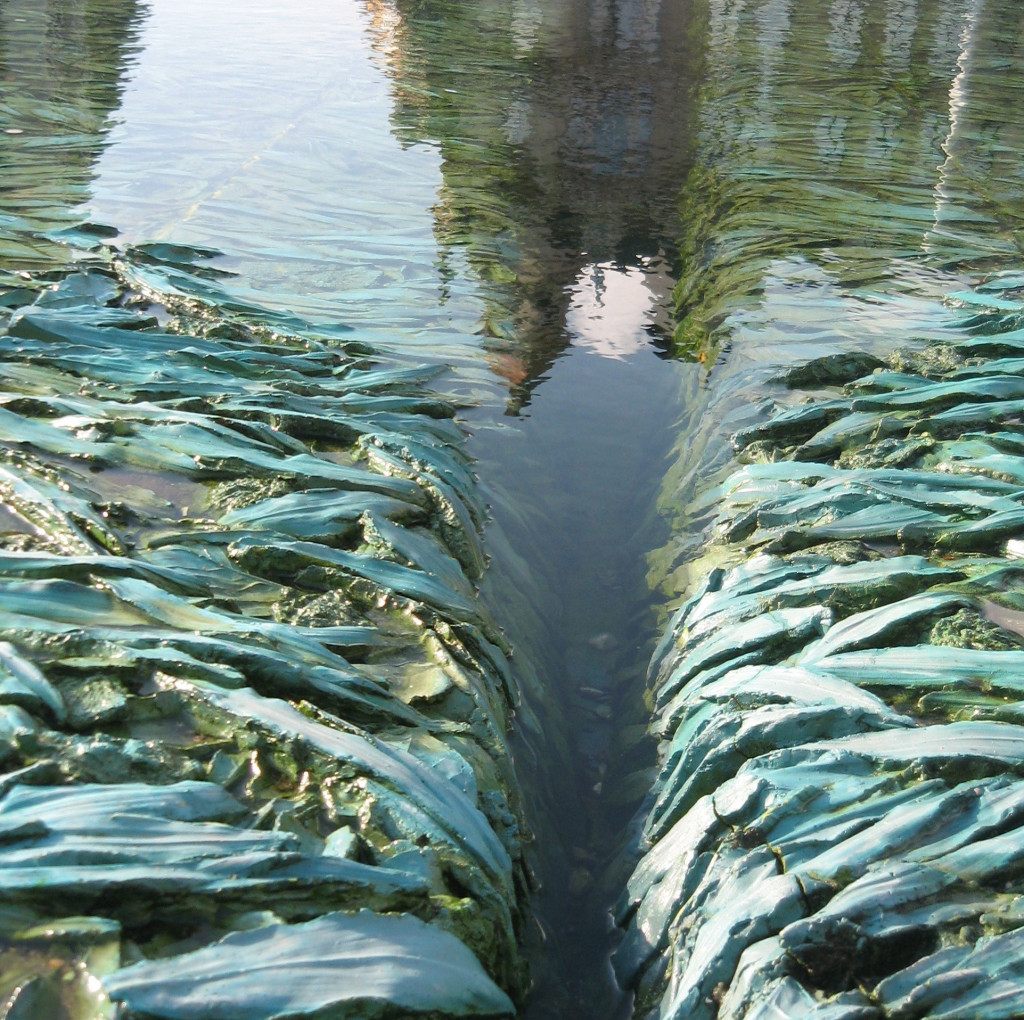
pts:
[838, 822]
[835, 828]
[856, 164]
[252, 718]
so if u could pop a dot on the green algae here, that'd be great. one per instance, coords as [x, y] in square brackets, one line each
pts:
[271, 557]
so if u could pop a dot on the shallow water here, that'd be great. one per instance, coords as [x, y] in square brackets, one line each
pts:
[494, 187]
[439, 178]
[572, 484]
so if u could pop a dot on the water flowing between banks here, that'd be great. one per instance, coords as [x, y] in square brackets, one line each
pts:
[353, 187]
[253, 589]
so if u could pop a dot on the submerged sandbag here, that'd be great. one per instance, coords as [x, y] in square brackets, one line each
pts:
[254, 718]
[835, 829]
[341, 965]
[838, 805]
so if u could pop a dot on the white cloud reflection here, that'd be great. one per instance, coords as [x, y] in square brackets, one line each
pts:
[613, 307]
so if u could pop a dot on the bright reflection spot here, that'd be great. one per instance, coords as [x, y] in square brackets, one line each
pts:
[957, 104]
[613, 308]
[385, 28]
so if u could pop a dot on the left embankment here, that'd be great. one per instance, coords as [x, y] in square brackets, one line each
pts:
[252, 717]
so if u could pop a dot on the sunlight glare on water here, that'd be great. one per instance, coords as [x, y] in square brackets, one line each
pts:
[612, 307]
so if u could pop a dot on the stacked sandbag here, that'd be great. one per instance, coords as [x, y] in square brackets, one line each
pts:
[835, 827]
[838, 823]
[252, 717]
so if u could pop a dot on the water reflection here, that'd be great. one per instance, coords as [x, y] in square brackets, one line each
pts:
[62, 69]
[506, 175]
[525, 143]
[982, 168]
[564, 131]
[828, 133]
[614, 311]
[572, 483]
[266, 137]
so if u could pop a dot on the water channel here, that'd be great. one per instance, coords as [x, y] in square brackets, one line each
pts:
[488, 186]
[494, 187]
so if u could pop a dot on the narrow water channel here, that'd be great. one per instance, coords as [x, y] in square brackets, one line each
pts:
[491, 187]
[564, 130]
[572, 483]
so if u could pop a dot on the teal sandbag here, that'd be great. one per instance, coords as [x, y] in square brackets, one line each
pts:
[339, 965]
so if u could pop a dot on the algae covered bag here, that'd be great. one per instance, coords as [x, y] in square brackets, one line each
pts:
[249, 701]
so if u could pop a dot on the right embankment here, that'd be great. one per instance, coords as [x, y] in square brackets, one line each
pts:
[837, 829]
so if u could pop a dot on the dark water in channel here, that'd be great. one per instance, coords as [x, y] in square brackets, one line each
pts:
[491, 186]
[564, 130]
[572, 489]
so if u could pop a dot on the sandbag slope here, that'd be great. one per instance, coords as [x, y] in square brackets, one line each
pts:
[252, 718]
[835, 827]
[838, 819]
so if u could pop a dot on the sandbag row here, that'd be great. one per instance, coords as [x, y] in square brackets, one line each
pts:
[252, 717]
[834, 828]
[837, 825]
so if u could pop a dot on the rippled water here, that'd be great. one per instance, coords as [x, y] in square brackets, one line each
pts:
[489, 187]
[439, 176]
[502, 188]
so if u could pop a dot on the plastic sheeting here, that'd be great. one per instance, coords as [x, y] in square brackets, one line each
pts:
[835, 827]
[839, 809]
[248, 700]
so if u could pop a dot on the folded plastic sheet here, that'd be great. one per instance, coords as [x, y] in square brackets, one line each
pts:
[835, 827]
[340, 965]
[249, 700]
[153, 852]
[839, 808]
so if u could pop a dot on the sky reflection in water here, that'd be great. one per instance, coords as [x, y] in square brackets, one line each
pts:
[437, 177]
